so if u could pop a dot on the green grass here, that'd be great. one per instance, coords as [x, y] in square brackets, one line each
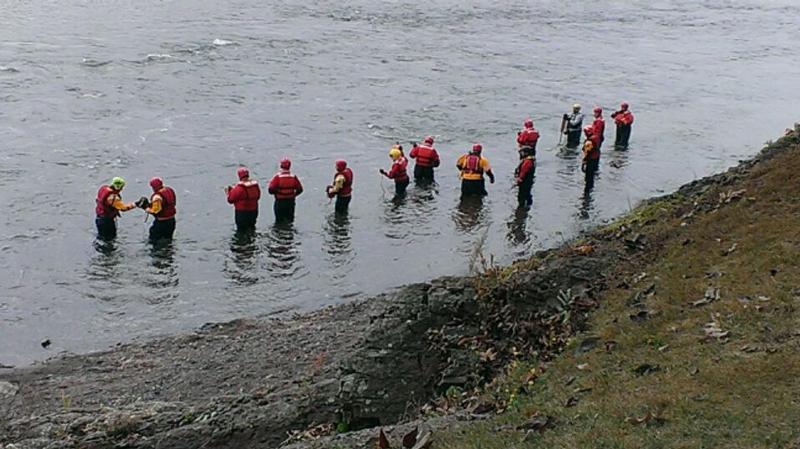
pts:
[738, 392]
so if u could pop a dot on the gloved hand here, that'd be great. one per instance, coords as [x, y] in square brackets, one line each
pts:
[382, 171]
[583, 167]
[491, 177]
[566, 116]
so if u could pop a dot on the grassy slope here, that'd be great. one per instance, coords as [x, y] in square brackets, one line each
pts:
[742, 391]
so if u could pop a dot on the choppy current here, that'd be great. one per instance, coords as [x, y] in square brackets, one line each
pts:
[188, 90]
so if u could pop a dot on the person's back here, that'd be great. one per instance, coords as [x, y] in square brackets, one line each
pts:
[427, 158]
[285, 186]
[527, 138]
[472, 167]
[244, 195]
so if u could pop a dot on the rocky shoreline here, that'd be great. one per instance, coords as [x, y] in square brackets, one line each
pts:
[375, 362]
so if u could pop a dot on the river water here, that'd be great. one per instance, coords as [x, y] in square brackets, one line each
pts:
[187, 90]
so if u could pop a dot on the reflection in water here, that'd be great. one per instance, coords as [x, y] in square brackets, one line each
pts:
[469, 213]
[104, 266]
[244, 252]
[337, 242]
[282, 249]
[164, 276]
[587, 202]
[162, 258]
[517, 232]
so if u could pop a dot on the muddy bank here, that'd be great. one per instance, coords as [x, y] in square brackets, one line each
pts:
[250, 383]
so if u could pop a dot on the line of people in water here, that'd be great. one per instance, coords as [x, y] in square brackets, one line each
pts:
[286, 187]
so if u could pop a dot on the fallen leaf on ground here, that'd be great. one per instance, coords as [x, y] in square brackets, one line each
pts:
[410, 439]
[711, 295]
[713, 330]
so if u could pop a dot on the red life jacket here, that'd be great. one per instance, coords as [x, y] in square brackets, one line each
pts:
[473, 165]
[103, 209]
[167, 203]
[426, 156]
[399, 172]
[347, 188]
[622, 118]
[284, 186]
[245, 196]
[528, 137]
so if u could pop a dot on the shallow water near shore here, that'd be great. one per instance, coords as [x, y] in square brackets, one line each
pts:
[189, 90]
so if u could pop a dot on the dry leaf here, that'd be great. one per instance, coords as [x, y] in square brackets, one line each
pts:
[410, 439]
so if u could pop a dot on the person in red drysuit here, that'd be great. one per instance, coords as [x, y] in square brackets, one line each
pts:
[427, 158]
[399, 170]
[623, 119]
[244, 196]
[598, 127]
[342, 187]
[524, 176]
[162, 207]
[285, 187]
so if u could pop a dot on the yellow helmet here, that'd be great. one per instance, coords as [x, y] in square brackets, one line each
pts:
[395, 153]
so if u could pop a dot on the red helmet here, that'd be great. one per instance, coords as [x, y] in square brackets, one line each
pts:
[477, 148]
[341, 165]
[624, 106]
[243, 172]
[286, 163]
[156, 183]
[528, 123]
[429, 140]
[598, 110]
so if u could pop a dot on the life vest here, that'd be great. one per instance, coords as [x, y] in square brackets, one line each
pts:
[251, 194]
[528, 137]
[103, 209]
[399, 171]
[287, 185]
[623, 118]
[425, 155]
[347, 188]
[167, 203]
[472, 169]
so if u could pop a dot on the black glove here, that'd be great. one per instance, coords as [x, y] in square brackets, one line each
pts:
[491, 177]
[566, 116]
[142, 203]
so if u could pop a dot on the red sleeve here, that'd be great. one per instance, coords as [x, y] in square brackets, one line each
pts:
[629, 118]
[234, 194]
[273, 185]
[257, 192]
[414, 152]
[519, 138]
[298, 188]
[393, 171]
[436, 160]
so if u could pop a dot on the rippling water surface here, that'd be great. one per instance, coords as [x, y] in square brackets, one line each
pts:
[187, 90]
